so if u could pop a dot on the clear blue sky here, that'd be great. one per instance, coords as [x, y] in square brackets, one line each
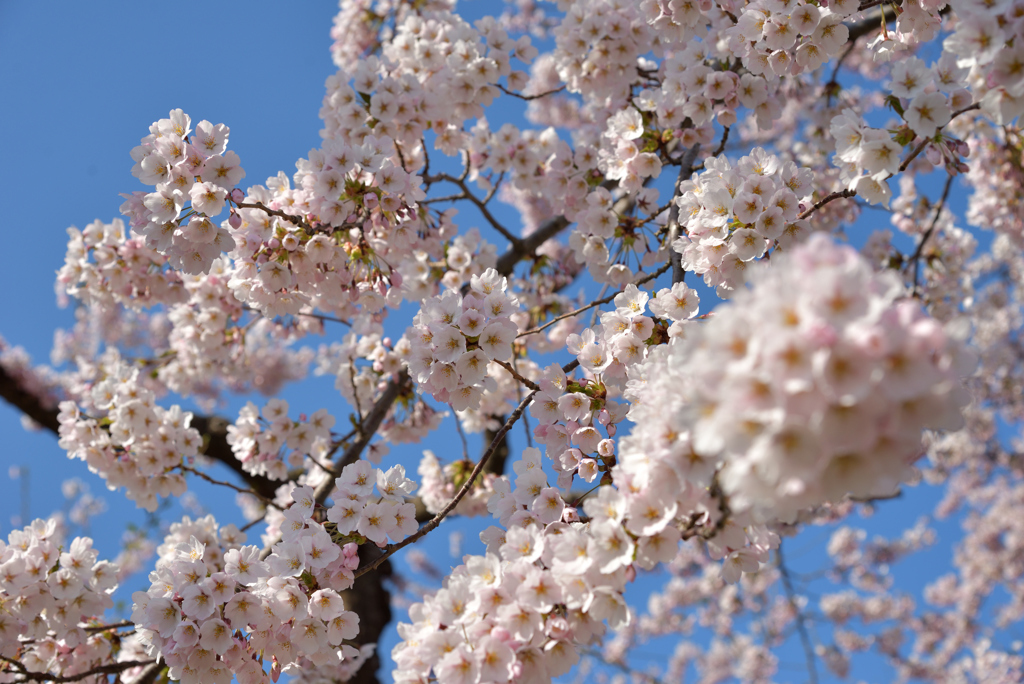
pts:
[81, 83]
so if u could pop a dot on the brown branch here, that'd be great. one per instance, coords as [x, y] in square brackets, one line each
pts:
[916, 257]
[529, 97]
[450, 506]
[480, 204]
[525, 247]
[825, 200]
[924, 143]
[28, 403]
[515, 374]
[221, 483]
[297, 220]
[112, 668]
[104, 628]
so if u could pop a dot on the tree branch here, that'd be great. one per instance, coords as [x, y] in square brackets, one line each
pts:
[467, 485]
[111, 668]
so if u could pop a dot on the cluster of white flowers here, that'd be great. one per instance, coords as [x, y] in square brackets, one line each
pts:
[815, 384]
[355, 513]
[570, 412]
[49, 596]
[267, 447]
[213, 604]
[519, 612]
[454, 337]
[987, 42]
[776, 38]
[926, 97]
[733, 215]
[125, 272]
[194, 169]
[137, 444]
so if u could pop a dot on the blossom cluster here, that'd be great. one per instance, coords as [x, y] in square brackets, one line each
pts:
[454, 337]
[987, 41]
[828, 398]
[267, 442]
[389, 516]
[176, 164]
[122, 271]
[519, 612]
[137, 444]
[734, 214]
[50, 593]
[214, 605]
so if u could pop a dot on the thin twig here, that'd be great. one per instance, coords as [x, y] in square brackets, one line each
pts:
[297, 220]
[111, 668]
[104, 628]
[924, 143]
[462, 436]
[249, 525]
[229, 485]
[801, 619]
[916, 257]
[721, 145]
[322, 317]
[480, 204]
[432, 524]
[596, 302]
[674, 229]
[515, 374]
[825, 200]
[529, 97]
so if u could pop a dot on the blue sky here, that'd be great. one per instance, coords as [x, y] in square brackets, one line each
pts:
[81, 89]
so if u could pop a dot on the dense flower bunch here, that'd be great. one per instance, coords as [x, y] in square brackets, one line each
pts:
[519, 612]
[50, 593]
[214, 605]
[176, 163]
[926, 98]
[734, 214]
[455, 337]
[267, 442]
[136, 444]
[361, 25]
[832, 402]
[998, 179]
[987, 40]
[122, 271]
[776, 38]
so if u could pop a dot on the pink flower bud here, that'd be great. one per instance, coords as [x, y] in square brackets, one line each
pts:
[396, 278]
[630, 574]
[237, 195]
[235, 221]
[274, 243]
